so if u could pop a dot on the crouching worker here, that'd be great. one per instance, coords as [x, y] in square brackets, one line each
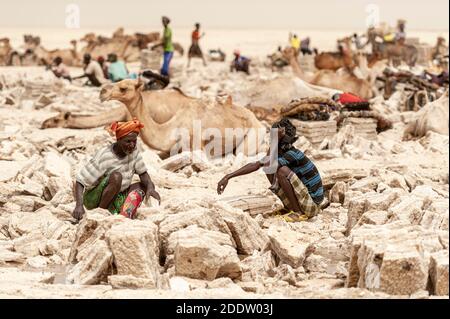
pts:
[105, 181]
[293, 177]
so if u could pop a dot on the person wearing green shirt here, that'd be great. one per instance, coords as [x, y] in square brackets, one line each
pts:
[166, 43]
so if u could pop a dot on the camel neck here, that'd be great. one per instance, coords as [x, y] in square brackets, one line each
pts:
[135, 103]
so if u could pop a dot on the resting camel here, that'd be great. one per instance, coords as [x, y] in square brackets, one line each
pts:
[165, 111]
[330, 79]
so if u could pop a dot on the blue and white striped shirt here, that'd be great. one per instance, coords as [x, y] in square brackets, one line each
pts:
[306, 171]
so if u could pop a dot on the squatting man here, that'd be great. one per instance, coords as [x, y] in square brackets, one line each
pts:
[294, 179]
[105, 181]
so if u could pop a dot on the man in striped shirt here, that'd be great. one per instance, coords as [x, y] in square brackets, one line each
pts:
[105, 181]
[296, 181]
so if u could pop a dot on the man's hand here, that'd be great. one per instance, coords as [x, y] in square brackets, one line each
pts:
[222, 185]
[153, 193]
[78, 212]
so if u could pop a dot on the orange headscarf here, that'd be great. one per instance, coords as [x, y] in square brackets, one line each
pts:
[121, 129]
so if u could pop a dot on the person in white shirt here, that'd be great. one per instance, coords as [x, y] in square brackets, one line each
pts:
[93, 71]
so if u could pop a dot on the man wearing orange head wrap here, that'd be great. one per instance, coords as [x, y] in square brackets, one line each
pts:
[105, 180]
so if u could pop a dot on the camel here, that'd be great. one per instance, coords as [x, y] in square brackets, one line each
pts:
[432, 117]
[394, 52]
[166, 113]
[325, 78]
[36, 54]
[440, 49]
[70, 57]
[127, 47]
[336, 60]
[5, 51]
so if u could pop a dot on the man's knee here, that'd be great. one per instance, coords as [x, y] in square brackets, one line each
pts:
[115, 179]
[283, 172]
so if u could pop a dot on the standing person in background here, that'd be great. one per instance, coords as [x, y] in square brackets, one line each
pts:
[194, 50]
[400, 35]
[295, 43]
[167, 45]
[304, 46]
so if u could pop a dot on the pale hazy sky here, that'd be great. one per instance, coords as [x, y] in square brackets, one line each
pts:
[312, 14]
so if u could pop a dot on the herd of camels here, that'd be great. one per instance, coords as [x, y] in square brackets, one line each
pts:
[127, 47]
[163, 110]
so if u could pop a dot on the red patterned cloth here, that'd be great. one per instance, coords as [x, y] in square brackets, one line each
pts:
[132, 203]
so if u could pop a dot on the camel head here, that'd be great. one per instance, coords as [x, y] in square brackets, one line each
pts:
[440, 41]
[124, 91]
[89, 38]
[59, 120]
[119, 33]
[289, 53]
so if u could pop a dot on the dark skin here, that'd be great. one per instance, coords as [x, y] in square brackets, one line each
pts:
[165, 23]
[121, 148]
[85, 62]
[281, 174]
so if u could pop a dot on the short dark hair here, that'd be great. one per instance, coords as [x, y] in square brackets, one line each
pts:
[290, 130]
[112, 57]
[57, 60]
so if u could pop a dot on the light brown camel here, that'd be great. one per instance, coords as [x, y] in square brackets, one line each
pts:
[127, 47]
[336, 60]
[36, 54]
[5, 51]
[70, 57]
[393, 51]
[167, 113]
[325, 78]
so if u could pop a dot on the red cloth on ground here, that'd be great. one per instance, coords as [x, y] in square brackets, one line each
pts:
[350, 98]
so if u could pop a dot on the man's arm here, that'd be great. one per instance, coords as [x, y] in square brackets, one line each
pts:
[157, 45]
[78, 212]
[79, 77]
[149, 187]
[162, 43]
[247, 169]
